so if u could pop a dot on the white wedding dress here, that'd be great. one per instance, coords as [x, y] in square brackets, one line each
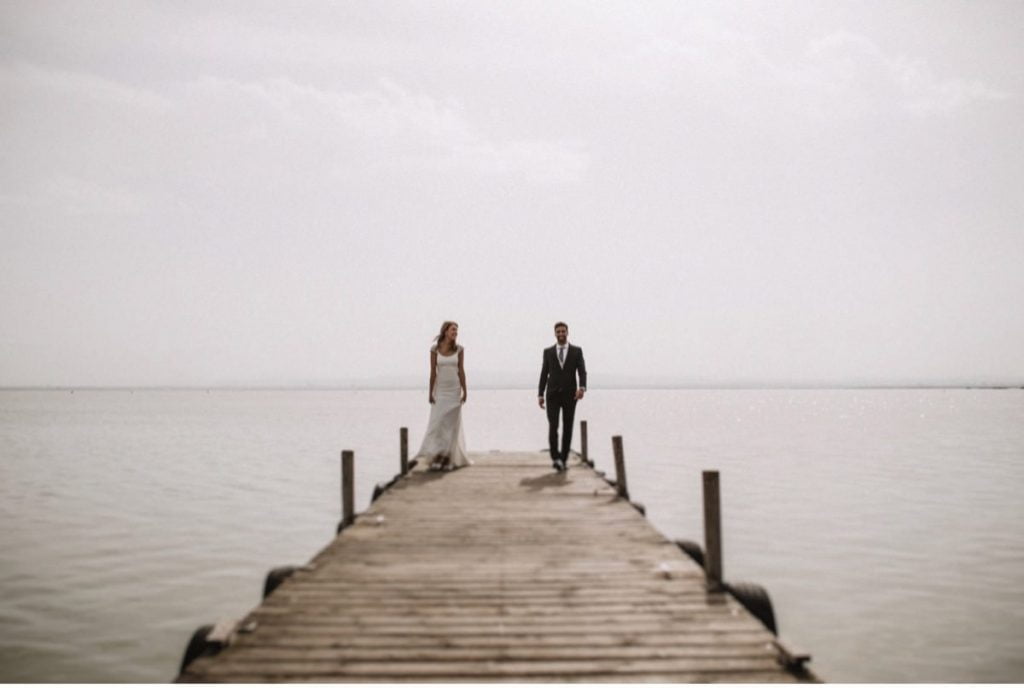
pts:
[444, 430]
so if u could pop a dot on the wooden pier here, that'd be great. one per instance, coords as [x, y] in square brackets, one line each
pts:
[505, 571]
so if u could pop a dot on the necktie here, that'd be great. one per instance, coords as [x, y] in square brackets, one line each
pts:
[561, 354]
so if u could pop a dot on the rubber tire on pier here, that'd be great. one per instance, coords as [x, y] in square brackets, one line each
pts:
[275, 577]
[693, 550]
[198, 647]
[379, 489]
[755, 599]
[383, 487]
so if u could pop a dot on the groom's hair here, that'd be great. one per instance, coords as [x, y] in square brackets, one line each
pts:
[561, 324]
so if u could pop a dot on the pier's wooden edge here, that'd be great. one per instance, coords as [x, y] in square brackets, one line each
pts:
[505, 571]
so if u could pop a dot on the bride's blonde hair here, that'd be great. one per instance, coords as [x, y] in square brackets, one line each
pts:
[444, 330]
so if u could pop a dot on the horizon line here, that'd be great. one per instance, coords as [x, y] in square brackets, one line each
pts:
[496, 387]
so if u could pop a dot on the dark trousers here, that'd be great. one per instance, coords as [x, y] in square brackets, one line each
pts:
[566, 404]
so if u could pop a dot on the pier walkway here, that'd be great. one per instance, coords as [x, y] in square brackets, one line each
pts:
[503, 571]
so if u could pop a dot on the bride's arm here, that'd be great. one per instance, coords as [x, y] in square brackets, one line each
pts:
[433, 373]
[462, 374]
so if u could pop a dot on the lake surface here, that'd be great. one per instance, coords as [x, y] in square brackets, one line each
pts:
[887, 525]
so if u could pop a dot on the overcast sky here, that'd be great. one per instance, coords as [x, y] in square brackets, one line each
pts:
[204, 193]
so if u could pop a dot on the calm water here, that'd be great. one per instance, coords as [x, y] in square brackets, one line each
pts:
[887, 525]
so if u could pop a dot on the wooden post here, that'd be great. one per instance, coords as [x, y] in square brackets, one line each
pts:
[404, 441]
[712, 532]
[620, 467]
[583, 442]
[348, 484]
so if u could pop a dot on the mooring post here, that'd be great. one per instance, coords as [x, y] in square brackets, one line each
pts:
[620, 467]
[583, 442]
[712, 532]
[348, 483]
[404, 442]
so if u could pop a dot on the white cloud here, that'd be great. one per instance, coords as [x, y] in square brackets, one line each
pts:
[76, 196]
[842, 74]
[386, 129]
[65, 139]
[78, 143]
[846, 67]
[25, 84]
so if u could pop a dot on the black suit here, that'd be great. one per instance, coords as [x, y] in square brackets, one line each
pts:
[559, 381]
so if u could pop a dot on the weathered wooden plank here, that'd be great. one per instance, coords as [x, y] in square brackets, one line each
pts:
[581, 610]
[497, 667]
[289, 637]
[408, 648]
[535, 652]
[476, 595]
[475, 621]
[726, 677]
[361, 627]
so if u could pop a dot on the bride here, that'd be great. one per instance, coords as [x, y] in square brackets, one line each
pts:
[444, 443]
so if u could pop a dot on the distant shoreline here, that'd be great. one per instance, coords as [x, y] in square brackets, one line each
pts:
[413, 388]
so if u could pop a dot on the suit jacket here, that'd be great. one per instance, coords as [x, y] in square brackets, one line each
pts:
[559, 379]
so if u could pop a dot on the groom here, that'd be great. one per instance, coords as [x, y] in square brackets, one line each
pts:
[562, 363]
